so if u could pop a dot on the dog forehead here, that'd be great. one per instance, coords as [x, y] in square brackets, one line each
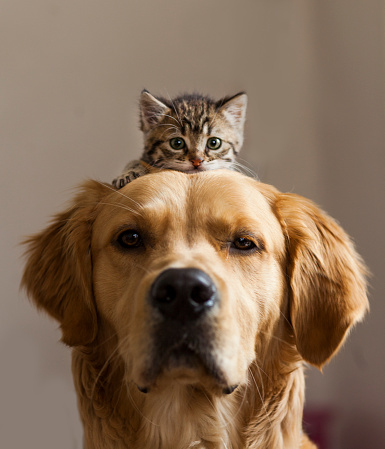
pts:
[170, 191]
[230, 190]
[162, 200]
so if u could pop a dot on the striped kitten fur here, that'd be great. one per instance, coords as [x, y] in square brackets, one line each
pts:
[189, 133]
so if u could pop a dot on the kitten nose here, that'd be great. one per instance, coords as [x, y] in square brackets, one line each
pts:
[196, 162]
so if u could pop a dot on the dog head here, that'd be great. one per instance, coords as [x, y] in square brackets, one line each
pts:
[197, 276]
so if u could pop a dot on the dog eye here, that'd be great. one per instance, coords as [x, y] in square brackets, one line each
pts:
[243, 244]
[129, 239]
[247, 245]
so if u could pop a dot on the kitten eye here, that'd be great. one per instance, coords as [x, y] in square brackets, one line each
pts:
[177, 143]
[129, 239]
[214, 143]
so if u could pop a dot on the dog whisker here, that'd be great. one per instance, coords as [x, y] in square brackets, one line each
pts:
[260, 378]
[266, 412]
[138, 409]
[274, 337]
[238, 409]
[141, 267]
[224, 444]
[104, 367]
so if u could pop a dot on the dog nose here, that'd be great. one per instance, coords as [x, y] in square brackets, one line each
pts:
[183, 294]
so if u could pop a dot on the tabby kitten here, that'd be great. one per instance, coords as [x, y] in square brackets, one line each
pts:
[190, 133]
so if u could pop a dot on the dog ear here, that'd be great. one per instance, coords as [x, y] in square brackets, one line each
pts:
[58, 273]
[327, 279]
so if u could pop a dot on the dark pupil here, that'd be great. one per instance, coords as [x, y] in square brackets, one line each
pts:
[177, 143]
[213, 142]
[244, 243]
[130, 238]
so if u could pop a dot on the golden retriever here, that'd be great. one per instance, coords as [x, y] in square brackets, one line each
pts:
[191, 303]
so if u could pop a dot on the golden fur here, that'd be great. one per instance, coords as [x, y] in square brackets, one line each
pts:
[291, 301]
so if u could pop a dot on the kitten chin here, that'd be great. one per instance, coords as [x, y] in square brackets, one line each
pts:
[188, 168]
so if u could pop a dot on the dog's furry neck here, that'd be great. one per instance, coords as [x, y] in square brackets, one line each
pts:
[118, 416]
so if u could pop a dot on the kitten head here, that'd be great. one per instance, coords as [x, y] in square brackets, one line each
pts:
[192, 132]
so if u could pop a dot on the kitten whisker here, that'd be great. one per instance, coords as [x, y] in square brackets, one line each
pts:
[122, 207]
[163, 124]
[245, 170]
[168, 124]
[166, 115]
[169, 130]
[119, 193]
[176, 112]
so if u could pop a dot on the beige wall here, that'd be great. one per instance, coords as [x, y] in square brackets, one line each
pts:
[70, 75]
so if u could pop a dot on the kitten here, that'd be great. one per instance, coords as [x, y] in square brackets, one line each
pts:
[190, 133]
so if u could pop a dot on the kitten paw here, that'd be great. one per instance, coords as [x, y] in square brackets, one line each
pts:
[125, 178]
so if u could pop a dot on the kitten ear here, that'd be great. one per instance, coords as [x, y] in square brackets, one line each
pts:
[234, 109]
[151, 110]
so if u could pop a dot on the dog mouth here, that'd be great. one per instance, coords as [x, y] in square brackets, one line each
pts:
[183, 356]
[187, 361]
[181, 364]
[183, 359]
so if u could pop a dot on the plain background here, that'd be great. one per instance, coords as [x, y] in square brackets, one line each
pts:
[70, 76]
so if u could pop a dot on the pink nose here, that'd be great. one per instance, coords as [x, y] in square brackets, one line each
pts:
[196, 162]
